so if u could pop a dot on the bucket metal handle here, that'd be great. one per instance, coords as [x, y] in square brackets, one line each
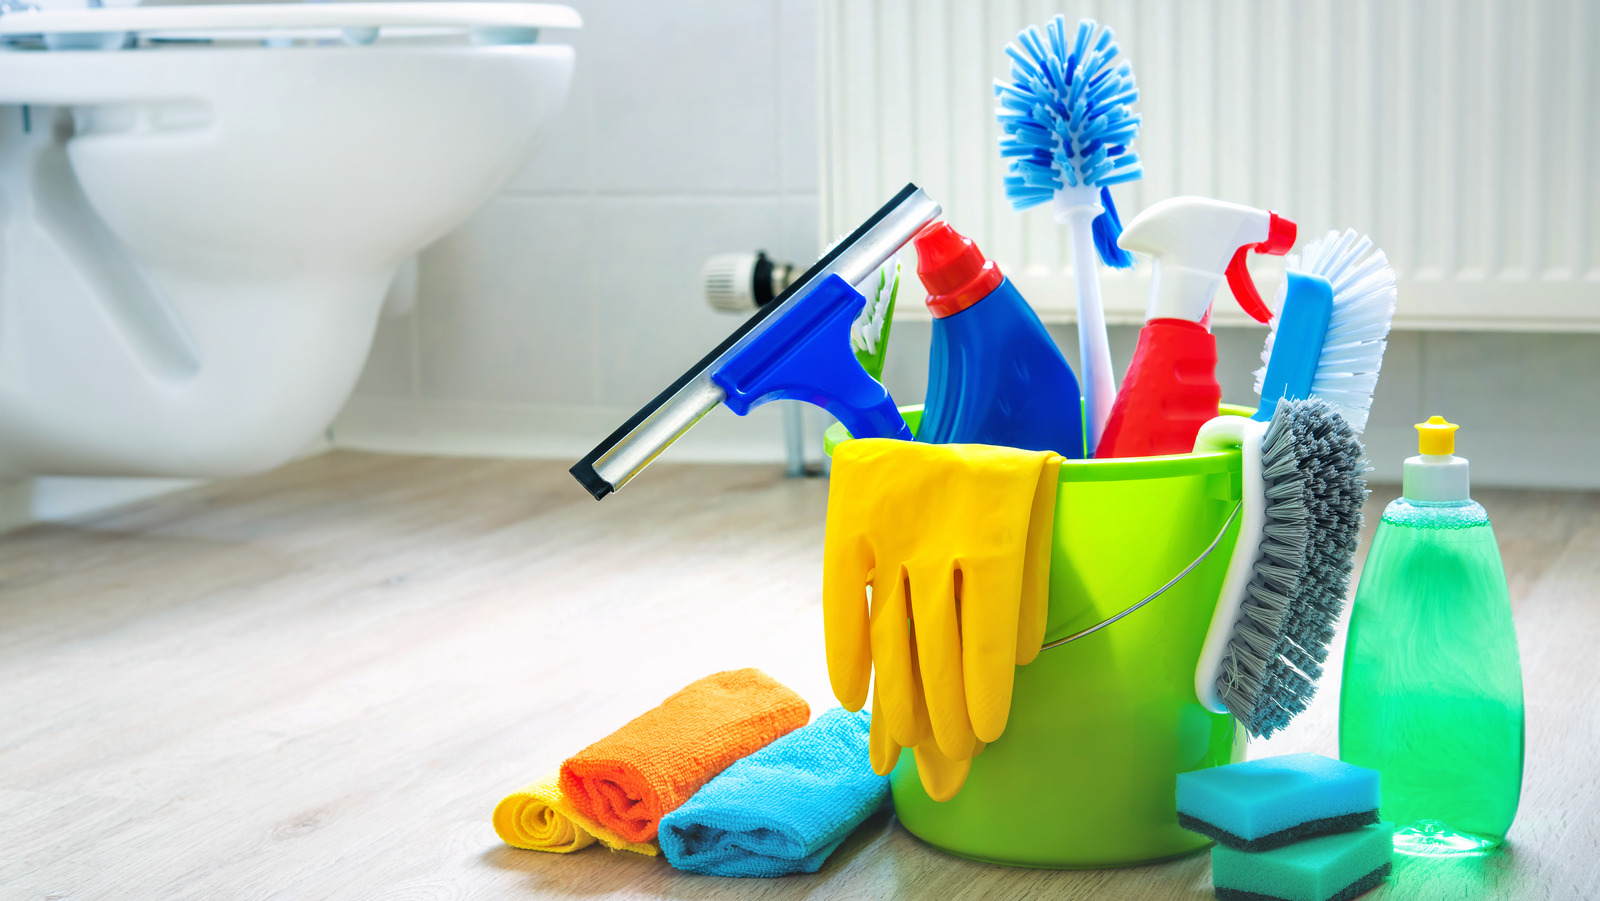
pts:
[1155, 594]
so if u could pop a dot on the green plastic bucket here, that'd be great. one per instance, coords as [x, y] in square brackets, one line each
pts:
[1085, 774]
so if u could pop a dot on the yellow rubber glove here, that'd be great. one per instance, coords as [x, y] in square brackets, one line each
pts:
[954, 541]
[904, 714]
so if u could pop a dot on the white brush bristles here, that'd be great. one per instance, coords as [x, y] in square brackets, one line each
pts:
[868, 327]
[1358, 331]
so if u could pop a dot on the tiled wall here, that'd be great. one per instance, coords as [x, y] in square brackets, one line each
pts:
[575, 296]
[692, 129]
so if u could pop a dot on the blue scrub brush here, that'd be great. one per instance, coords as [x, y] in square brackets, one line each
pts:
[1332, 327]
[1303, 484]
[869, 334]
[1066, 126]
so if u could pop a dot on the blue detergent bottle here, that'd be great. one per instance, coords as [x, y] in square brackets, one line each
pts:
[994, 374]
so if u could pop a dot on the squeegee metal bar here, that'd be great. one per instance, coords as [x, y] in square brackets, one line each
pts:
[674, 411]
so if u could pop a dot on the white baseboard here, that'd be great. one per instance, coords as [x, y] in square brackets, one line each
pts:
[459, 428]
[24, 502]
[476, 429]
[462, 428]
[66, 499]
[60, 499]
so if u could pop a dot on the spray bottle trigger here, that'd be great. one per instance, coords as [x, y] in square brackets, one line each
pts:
[1280, 237]
[1244, 288]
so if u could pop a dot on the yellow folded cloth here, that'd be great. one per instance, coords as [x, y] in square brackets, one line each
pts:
[539, 818]
[954, 541]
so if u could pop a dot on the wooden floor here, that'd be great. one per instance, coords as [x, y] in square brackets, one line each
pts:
[316, 683]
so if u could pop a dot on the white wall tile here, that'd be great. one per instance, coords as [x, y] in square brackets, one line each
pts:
[507, 312]
[391, 364]
[1238, 357]
[799, 243]
[685, 95]
[1528, 405]
[581, 285]
[1396, 406]
[1535, 384]
[799, 119]
[1399, 395]
[655, 322]
[905, 365]
[692, 129]
[564, 163]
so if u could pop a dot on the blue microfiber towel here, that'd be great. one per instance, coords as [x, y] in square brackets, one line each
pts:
[784, 808]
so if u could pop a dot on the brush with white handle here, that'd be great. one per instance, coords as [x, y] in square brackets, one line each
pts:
[1067, 122]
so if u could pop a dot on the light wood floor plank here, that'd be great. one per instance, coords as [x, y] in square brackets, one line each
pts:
[317, 682]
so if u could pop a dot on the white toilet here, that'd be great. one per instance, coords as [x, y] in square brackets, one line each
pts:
[201, 208]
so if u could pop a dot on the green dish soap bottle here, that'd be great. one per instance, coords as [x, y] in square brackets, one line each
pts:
[1432, 690]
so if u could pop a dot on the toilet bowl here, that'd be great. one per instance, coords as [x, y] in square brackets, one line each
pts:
[199, 224]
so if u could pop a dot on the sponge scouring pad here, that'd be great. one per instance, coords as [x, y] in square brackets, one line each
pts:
[1325, 868]
[1264, 804]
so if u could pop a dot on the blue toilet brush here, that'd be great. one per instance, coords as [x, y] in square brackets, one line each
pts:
[1067, 123]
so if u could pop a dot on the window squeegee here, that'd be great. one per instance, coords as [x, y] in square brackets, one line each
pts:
[674, 411]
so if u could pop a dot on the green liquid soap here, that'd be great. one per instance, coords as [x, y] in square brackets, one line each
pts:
[1432, 688]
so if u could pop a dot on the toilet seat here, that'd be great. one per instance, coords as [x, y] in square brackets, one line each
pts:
[200, 230]
[293, 20]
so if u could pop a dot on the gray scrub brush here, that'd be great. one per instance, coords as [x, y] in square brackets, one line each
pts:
[1290, 571]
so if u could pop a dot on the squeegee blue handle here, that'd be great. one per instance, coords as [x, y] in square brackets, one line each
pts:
[805, 355]
[1302, 327]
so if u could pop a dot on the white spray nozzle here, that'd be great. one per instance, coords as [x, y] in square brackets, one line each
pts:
[1196, 243]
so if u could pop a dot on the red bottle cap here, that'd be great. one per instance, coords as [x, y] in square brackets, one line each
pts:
[953, 270]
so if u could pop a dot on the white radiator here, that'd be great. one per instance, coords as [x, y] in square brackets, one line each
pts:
[1461, 134]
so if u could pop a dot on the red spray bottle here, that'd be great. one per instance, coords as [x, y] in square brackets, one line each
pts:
[1171, 387]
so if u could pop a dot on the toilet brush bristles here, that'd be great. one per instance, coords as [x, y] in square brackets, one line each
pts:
[1067, 121]
[1313, 467]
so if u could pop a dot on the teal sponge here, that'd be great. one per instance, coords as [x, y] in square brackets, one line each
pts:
[1325, 868]
[1269, 803]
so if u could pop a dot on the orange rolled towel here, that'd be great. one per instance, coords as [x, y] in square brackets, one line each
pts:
[638, 774]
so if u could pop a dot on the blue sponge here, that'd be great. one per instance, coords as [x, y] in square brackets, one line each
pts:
[1268, 803]
[1325, 868]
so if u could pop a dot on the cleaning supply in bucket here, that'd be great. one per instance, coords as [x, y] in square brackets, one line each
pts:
[628, 450]
[1171, 386]
[783, 809]
[633, 777]
[954, 541]
[1432, 691]
[1331, 327]
[1275, 801]
[1325, 868]
[869, 334]
[1300, 521]
[806, 356]
[1067, 124]
[1083, 774]
[994, 374]
[538, 817]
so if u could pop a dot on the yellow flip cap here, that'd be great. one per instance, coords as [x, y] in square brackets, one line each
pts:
[1436, 437]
